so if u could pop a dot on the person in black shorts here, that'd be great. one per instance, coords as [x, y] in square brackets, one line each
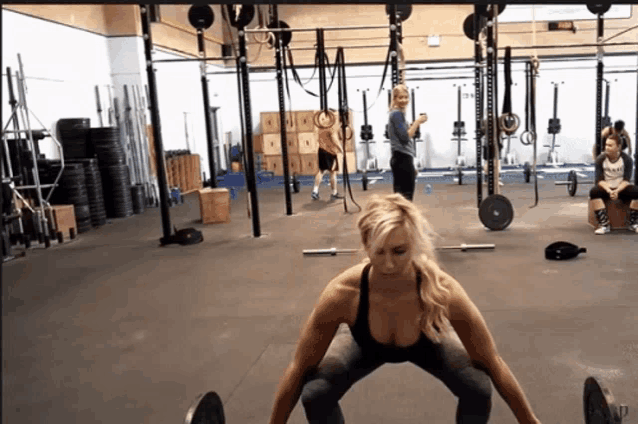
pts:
[327, 157]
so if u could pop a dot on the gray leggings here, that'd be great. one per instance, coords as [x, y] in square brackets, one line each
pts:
[344, 364]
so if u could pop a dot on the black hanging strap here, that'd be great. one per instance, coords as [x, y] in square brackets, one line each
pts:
[507, 101]
[295, 75]
[527, 96]
[320, 56]
[340, 65]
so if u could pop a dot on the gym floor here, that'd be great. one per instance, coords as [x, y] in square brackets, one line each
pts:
[112, 328]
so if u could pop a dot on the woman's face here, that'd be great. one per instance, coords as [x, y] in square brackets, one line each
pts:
[612, 148]
[393, 258]
[402, 99]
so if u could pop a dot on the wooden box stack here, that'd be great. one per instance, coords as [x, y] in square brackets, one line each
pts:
[184, 172]
[302, 143]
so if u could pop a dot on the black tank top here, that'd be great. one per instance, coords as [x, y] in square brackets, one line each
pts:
[361, 330]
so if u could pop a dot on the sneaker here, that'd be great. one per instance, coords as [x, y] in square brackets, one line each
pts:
[335, 196]
[315, 196]
[633, 228]
[603, 229]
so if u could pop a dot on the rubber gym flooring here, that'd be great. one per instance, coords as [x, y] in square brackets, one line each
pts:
[111, 328]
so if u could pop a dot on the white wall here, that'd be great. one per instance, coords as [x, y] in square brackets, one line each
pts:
[179, 90]
[438, 98]
[62, 67]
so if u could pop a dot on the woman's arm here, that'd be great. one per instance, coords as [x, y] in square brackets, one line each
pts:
[313, 343]
[477, 339]
[401, 129]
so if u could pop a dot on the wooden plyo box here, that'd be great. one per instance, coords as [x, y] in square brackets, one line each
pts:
[64, 218]
[617, 211]
[214, 205]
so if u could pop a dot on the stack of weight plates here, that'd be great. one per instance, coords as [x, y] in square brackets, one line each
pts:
[94, 190]
[137, 194]
[116, 182]
[74, 136]
[106, 143]
[117, 191]
[71, 190]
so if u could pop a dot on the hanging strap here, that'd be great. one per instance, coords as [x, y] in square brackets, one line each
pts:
[532, 73]
[344, 119]
[507, 101]
[295, 75]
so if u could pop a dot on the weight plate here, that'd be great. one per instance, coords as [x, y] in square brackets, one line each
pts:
[207, 409]
[599, 404]
[246, 15]
[573, 183]
[597, 8]
[468, 26]
[482, 9]
[496, 212]
[403, 11]
[201, 17]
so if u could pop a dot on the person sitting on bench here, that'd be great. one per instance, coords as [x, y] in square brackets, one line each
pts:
[613, 173]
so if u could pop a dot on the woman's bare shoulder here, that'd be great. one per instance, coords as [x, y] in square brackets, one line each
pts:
[345, 284]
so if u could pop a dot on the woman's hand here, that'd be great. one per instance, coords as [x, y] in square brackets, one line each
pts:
[613, 194]
[422, 118]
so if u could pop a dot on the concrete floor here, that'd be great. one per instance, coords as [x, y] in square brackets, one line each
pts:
[112, 328]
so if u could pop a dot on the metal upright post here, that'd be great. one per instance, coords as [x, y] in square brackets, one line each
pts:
[250, 172]
[282, 110]
[491, 82]
[636, 135]
[365, 122]
[394, 34]
[155, 121]
[209, 125]
[599, 86]
[478, 101]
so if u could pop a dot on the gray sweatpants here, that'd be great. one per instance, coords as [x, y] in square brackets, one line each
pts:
[345, 363]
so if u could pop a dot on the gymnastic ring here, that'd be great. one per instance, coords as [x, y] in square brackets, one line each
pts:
[527, 138]
[331, 118]
[502, 122]
[267, 37]
[340, 134]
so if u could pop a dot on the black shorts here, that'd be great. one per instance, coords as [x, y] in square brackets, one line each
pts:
[327, 160]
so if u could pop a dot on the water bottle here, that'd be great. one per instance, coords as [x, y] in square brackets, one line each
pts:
[428, 189]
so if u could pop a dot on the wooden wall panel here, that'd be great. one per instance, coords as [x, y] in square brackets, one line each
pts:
[446, 21]
[122, 19]
[87, 17]
[182, 41]
[176, 15]
[175, 33]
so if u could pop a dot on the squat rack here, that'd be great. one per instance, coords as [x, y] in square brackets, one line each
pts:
[395, 33]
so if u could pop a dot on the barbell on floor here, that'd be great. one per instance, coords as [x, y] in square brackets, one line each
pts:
[599, 406]
[572, 182]
[334, 251]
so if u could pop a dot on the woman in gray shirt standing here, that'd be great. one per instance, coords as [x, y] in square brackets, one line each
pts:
[402, 143]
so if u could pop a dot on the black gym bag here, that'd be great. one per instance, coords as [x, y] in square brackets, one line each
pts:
[562, 250]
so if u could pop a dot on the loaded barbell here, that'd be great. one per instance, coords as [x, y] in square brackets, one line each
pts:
[599, 406]
[572, 183]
